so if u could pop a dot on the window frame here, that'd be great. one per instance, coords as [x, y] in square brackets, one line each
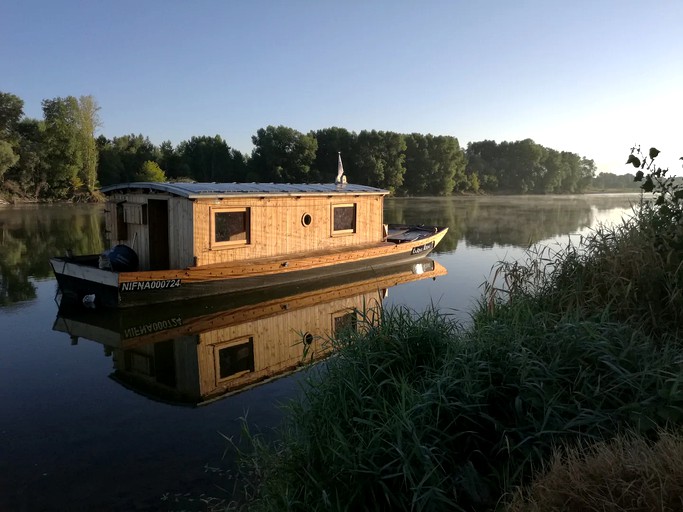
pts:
[338, 318]
[243, 341]
[214, 244]
[344, 232]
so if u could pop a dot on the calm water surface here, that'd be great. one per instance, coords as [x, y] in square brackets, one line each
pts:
[77, 434]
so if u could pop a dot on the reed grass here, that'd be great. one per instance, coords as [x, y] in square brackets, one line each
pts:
[626, 273]
[422, 415]
[415, 412]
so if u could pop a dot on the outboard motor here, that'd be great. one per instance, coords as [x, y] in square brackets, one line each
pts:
[123, 259]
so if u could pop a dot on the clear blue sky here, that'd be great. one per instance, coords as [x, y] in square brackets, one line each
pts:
[591, 77]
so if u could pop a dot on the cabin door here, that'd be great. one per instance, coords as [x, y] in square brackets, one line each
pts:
[157, 214]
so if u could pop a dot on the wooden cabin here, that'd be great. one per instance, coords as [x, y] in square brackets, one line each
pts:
[180, 225]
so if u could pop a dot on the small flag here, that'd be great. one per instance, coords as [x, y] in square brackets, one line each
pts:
[340, 169]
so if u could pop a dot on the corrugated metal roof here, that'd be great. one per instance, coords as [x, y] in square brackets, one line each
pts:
[197, 190]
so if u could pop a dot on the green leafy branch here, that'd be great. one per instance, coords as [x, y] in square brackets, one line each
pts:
[656, 181]
[668, 191]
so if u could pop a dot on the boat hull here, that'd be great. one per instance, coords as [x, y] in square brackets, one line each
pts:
[80, 280]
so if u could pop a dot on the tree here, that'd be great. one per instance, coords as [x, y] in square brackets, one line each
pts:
[417, 163]
[121, 158]
[550, 180]
[7, 157]
[449, 163]
[63, 144]
[379, 159]
[332, 142]
[110, 168]
[611, 181]
[11, 112]
[522, 165]
[172, 161]
[435, 165]
[150, 171]
[211, 159]
[88, 122]
[482, 161]
[28, 176]
[282, 155]
[588, 170]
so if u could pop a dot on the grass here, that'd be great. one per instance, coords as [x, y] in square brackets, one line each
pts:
[626, 474]
[415, 412]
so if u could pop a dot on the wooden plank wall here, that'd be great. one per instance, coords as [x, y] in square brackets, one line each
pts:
[138, 234]
[276, 226]
[186, 366]
[180, 239]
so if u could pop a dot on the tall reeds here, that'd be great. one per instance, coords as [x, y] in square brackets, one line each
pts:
[419, 414]
[415, 412]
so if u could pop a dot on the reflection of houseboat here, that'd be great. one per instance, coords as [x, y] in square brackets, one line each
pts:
[172, 241]
[208, 349]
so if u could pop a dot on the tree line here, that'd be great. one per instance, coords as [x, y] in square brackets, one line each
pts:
[60, 157]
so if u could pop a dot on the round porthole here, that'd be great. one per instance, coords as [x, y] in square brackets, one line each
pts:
[306, 219]
[308, 338]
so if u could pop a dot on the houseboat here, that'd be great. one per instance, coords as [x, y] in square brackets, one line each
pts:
[173, 241]
[208, 348]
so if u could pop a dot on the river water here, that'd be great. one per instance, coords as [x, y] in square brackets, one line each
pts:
[102, 412]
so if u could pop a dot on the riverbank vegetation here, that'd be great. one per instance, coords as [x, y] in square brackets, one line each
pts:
[565, 351]
[60, 157]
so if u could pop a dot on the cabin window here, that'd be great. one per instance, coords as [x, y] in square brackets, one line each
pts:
[306, 219]
[343, 219]
[135, 213]
[231, 226]
[234, 358]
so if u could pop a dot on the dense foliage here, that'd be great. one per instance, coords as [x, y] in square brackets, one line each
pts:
[60, 157]
[417, 413]
[527, 167]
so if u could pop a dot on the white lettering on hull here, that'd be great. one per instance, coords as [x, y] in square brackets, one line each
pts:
[159, 284]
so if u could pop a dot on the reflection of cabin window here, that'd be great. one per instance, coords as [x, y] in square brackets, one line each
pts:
[343, 218]
[344, 323]
[234, 358]
[230, 226]
[135, 362]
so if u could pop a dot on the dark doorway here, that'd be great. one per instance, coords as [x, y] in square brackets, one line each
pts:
[164, 363]
[157, 211]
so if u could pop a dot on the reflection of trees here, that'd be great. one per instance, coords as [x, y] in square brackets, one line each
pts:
[14, 286]
[29, 236]
[522, 224]
[512, 220]
[603, 202]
